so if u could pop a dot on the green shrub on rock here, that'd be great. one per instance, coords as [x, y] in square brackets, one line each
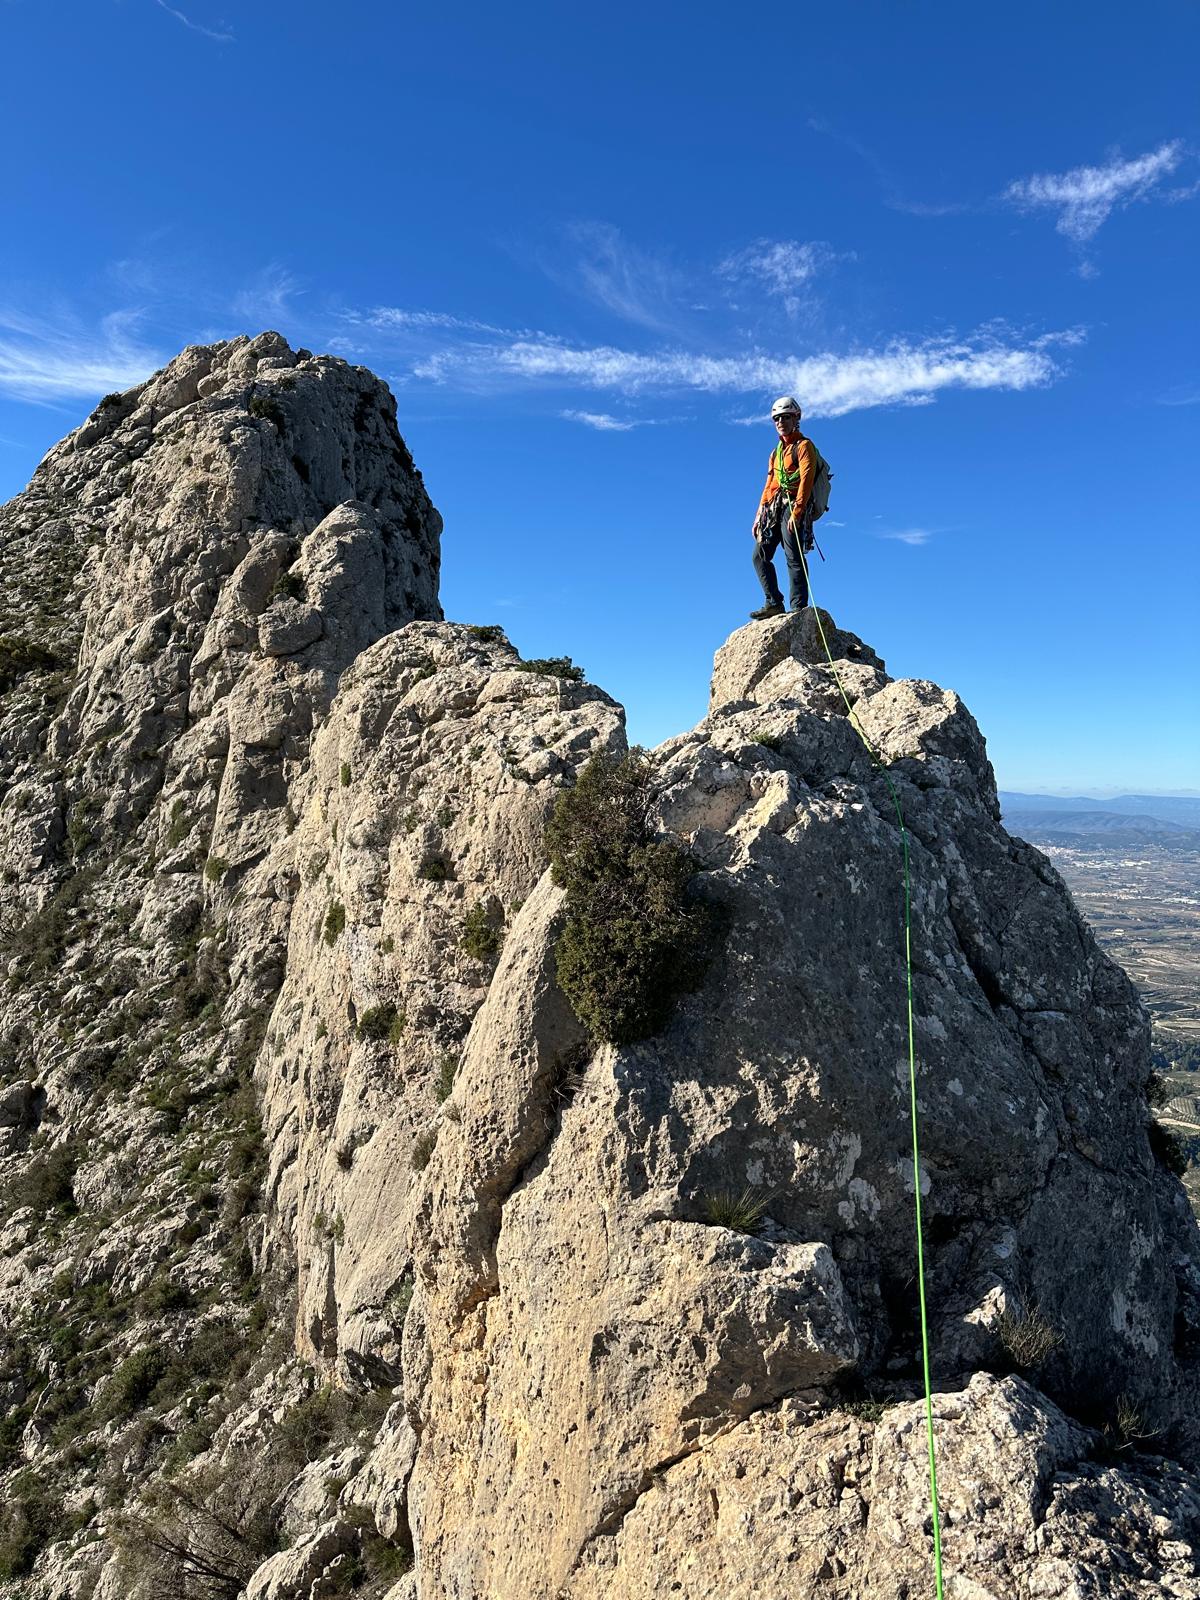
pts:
[635, 937]
[18, 656]
[381, 1022]
[552, 667]
[481, 939]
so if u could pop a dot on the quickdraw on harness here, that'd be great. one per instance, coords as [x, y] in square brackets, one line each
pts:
[879, 766]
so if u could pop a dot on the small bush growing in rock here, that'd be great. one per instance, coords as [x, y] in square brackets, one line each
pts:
[344, 775]
[269, 410]
[32, 1517]
[289, 586]
[374, 1566]
[46, 1182]
[486, 633]
[18, 656]
[335, 922]
[481, 939]
[768, 740]
[163, 1295]
[634, 937]
[1171, 1149]
[180, 825]
[434, 869]
[381, 1022]
[422, 1149]
[1027, 1337]
[1158, 1089]
[79, 829]
[131, 1385]
[742, 1212]
[444, 1082]
[215, 868]
[552, 667]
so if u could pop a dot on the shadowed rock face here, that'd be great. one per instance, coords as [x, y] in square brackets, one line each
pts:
[273, 834]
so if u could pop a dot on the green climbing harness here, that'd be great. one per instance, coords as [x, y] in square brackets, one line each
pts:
[818, 492]
[912, 1076]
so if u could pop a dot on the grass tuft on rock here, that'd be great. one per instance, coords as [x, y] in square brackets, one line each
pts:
[635, 937]
[742, 1212]
[1027, 1337]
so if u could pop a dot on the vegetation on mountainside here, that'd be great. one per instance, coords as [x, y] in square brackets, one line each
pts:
[19, 656]
[551, 667]
[635, 936]
[204, 1533]
[102, 1373]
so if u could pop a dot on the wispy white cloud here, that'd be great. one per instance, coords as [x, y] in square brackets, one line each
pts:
[828, 384]
[42, 360]
[267, 299]
[222, 36]
[383, 318]
[909, 535]
[929, 208]
[1183, 394]
[784, 266]
[635, 285]
[1085, 197]
[599, 420]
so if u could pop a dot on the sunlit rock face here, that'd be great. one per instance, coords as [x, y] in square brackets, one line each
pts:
[331, 1244]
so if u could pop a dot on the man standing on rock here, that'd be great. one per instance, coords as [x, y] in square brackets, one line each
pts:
[785, 512]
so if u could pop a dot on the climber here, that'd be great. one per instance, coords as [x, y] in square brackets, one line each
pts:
[785, 512]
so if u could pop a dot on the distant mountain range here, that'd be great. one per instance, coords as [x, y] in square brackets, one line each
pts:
[1171, 822]
[1181, 808]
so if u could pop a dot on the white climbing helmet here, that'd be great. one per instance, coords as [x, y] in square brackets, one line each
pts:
[783, 405]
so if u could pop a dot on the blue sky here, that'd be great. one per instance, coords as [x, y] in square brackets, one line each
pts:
[587, 246]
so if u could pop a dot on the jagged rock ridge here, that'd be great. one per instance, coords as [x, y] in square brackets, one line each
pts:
[273, 838]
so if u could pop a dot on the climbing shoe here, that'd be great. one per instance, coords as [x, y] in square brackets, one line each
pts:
[766, 611]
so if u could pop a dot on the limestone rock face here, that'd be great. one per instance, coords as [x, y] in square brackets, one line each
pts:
[182, 587]
[585, 1336]
[429, 789]
[331, 1246]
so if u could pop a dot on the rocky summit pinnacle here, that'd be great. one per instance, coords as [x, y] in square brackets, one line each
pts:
[338, 1254]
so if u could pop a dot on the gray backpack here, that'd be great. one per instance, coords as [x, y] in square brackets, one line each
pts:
[819, 496]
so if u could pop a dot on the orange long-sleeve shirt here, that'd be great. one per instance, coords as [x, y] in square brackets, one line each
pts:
[797, 457]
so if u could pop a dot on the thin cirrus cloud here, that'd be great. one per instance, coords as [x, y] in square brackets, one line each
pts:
[221, 35]
[42, 361]
[633, 284]
[901, 372]
[909, 535]
[1085, 197]
[268, 298]
[600, 420]
[786, 268]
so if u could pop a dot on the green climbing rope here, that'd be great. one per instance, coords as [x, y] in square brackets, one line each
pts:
[912, 1069]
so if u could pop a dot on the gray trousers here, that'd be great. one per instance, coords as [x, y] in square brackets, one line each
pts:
[781, 530]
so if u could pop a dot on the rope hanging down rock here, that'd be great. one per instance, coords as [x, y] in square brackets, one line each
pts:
[878, 764]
